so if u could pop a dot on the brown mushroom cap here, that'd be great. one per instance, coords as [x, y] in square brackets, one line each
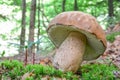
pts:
[66, 22]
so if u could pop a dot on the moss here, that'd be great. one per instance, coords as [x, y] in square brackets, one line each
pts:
[15, 70]
[98, 72]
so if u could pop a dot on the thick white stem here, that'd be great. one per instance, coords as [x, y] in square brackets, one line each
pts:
[69, 55]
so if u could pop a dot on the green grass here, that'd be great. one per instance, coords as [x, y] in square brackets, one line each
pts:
[15, 70]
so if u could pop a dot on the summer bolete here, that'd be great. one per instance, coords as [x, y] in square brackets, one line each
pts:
[78, 37]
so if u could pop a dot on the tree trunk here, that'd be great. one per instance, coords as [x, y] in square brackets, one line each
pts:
[23, 30]
[110, 8]
[31, 48]
[42, 11]
[38, 33]
[63, 5]
[75, 5]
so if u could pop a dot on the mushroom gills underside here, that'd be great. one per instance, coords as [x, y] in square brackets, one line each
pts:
[94, 46]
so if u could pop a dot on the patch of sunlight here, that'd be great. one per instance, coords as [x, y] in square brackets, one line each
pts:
[18, 15]
[9, 50]
[101, 19]
[6, 27]
[46, 1]
[6, 10]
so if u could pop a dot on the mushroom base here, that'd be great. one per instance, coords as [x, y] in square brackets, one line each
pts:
[69, 55]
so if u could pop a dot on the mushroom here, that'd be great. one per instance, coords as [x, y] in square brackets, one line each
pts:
[77, 37]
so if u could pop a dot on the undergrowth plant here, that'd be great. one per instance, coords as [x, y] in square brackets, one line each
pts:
[111, 37]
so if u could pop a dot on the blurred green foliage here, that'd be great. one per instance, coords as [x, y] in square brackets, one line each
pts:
[111, 37]
[10, 11]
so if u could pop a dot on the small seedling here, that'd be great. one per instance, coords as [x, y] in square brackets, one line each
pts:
[3, 53]
[26, 54]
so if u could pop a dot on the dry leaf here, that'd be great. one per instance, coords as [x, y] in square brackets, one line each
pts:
[27, 75]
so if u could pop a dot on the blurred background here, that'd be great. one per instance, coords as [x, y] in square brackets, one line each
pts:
[23, 23]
